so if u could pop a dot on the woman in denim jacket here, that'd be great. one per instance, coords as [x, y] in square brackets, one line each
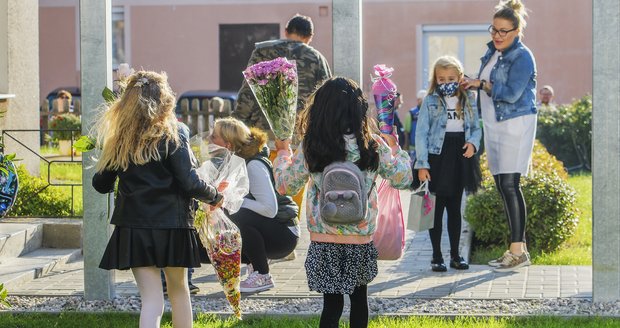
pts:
[507, 95]
[447, 138]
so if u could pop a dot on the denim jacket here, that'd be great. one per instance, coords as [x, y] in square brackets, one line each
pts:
[431, 129]
[514, 81]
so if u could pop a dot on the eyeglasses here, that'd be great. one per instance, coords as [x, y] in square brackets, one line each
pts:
[502, 33]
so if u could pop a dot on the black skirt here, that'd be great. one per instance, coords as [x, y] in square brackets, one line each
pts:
[339, 268]
[141, 247]
[450, 171]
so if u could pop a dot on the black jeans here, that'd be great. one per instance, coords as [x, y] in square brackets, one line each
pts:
[263, 238]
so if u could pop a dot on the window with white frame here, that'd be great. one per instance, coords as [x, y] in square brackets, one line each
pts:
[465, 42]
[119, 54]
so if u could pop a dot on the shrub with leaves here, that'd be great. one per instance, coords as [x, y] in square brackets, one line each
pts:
[65, 122]
[552, 216]
[37, 199]
[567, 132]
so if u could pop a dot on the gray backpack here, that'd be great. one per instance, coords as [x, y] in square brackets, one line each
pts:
[343, 194]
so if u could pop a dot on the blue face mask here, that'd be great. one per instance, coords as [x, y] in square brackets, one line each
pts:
[447, 89]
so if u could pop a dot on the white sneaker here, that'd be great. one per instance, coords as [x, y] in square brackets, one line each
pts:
[512, 262]
[498, 261]
[256, 282]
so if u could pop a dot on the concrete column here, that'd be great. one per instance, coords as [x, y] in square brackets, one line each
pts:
[96, 73]
[19, 75]
[347, 38]
[606, 151]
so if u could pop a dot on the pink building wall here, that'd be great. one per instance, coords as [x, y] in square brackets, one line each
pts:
[183, 39]
[58, 42]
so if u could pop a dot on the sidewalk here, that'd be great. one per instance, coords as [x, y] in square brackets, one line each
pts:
[409, 277]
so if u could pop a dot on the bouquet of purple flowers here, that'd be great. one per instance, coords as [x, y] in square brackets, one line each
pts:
[274, 84]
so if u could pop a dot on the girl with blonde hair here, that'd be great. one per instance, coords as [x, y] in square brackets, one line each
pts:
[147, 151]
[266, 233]
[447, 139]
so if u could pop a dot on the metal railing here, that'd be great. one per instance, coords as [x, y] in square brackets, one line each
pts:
[49, 161]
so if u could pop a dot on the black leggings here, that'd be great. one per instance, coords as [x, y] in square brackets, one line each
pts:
[452, 204]
[263, 238]
[514, 204]
[334, 303]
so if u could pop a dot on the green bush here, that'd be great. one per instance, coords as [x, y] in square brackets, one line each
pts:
[35, 199]
[551, 212]
[567, 132]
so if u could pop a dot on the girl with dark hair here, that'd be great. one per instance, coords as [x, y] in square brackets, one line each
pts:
[341, 257]
[507, 94]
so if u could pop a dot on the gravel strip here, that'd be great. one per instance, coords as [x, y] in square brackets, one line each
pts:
[306, 306]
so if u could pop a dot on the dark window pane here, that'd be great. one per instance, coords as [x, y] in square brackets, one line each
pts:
[236, 45]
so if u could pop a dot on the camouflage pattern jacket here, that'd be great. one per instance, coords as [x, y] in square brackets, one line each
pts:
[312, 69]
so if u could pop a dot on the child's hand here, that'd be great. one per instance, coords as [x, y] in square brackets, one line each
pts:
[283, 144]
[390, 139]
[218, 205]
[424, 174]
[470, 150]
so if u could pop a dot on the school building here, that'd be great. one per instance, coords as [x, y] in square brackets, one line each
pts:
[205, 44]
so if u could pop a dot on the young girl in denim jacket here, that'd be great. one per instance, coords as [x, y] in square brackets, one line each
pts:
[447, 138]
[341, 258]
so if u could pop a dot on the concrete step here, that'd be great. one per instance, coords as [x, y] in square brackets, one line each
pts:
[16, 271]
[19, 238]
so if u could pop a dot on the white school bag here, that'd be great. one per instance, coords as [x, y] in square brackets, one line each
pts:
[343, 194]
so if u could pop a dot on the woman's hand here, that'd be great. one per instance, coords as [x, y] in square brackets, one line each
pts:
[469, 83]
[423, 175]
[283, 144]
[469, 150]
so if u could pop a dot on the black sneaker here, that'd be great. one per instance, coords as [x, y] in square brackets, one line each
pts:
[459, 263]
[438, 266]
[193, 289]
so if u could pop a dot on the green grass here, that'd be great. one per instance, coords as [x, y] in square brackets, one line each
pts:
[47, 150]
[62, 172]
[120, 320]
[575, 251]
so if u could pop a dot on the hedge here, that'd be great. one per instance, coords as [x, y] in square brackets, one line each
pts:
[567, 133]
[552, 216]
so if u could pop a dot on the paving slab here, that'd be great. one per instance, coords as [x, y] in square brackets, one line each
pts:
[409, 277]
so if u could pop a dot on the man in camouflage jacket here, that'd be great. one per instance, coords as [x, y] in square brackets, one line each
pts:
[312, 68]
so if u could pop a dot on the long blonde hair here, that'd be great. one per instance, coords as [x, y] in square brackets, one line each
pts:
[245, 142]
[132, 129]
[450, 62]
